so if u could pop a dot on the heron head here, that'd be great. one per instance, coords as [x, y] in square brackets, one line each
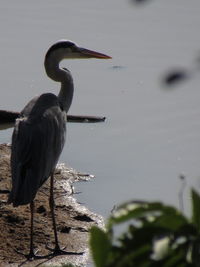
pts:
[68, 50]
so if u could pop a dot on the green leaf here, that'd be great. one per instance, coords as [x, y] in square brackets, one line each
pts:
[100, 246]
[176, 259]
[130, 210]
[196, 209]
[133, 257]
[171, 222]
[150, 211]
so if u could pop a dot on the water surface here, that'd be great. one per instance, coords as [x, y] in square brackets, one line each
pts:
[151, 134]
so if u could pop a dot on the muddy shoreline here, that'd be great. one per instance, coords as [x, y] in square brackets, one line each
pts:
[73, 220]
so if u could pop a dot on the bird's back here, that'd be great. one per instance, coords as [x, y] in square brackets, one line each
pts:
[37, 142]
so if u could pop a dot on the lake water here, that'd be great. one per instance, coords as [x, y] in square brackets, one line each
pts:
[152, 134]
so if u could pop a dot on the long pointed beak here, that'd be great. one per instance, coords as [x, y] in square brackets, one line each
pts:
[86, 53]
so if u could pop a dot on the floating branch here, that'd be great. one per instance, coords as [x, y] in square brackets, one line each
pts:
[7, 116]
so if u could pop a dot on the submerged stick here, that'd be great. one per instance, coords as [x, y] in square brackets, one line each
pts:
[181, 191]
[7, 116]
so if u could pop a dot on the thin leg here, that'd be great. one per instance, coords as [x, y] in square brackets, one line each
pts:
[31, 253]
[57, 250]
[51, 204]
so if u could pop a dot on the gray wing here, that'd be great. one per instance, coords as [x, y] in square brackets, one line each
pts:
[36, 146]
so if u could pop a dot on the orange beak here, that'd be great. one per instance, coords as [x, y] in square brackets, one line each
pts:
[86, 53]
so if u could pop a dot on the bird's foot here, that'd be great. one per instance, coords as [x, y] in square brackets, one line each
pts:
[58, 251]
[32, 254]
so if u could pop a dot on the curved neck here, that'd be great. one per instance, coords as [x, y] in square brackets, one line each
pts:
[63, 76]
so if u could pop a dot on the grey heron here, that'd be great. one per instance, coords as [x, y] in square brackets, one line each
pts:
[39, 134]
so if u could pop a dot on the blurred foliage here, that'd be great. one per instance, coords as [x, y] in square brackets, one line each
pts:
[175, 76]
[155, 235]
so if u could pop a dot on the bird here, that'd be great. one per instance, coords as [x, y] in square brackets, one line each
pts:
[40, 132]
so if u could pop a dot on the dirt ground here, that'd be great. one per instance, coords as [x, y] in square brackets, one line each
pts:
[73, 221]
